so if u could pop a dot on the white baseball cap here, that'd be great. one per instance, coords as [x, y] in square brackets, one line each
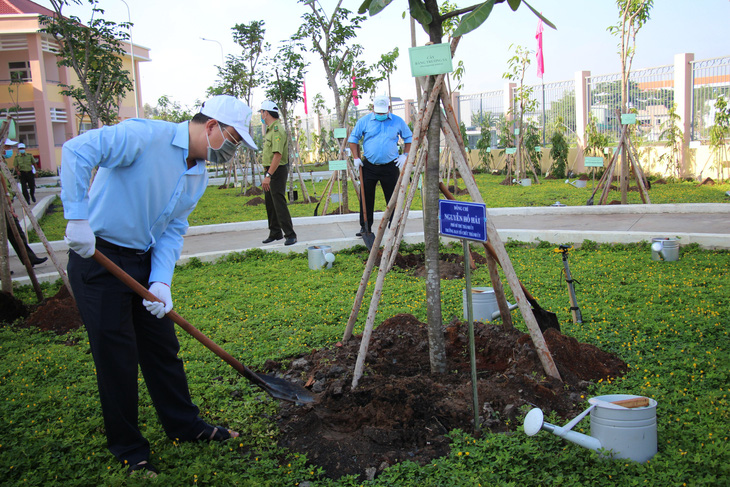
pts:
[10, 142]
[231, 111]
[269, 106]
[381, 104]
[21, 146]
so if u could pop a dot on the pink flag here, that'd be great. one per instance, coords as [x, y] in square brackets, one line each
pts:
[304, 83]
[355, 101]
[540, 62]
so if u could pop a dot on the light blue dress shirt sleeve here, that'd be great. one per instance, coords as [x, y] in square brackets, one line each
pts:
[143, 191]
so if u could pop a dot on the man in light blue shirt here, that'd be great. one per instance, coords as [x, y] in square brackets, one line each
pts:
[380, 162]
[150, 176]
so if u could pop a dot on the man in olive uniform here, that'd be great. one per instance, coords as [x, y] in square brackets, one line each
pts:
[275, 161]
[24, 163]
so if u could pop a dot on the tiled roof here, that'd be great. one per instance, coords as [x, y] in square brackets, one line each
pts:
[9, 7]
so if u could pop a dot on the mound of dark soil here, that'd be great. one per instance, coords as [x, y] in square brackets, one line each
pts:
[708, 182]
[253, 191]
[451, 266]
[255, 201]
[58, 314]
[401, 411]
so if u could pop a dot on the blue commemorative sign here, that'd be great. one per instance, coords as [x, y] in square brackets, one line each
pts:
[460, 219]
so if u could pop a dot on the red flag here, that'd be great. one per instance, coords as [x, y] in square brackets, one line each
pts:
[304, 83]
[540, 62]
[355, 101]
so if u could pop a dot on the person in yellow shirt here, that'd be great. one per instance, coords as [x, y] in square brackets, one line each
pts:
[25, 164]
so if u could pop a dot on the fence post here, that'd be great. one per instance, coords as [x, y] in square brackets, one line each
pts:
[582, 108]
[683, 91]
[508, 100]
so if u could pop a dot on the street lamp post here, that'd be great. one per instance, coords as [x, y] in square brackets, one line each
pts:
[219, 45]
[134, 69]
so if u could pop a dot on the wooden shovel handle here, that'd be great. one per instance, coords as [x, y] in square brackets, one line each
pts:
[182, 322]
[634, 402]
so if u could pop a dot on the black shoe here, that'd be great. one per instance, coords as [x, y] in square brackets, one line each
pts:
[272, 239]
[290, 241]
[33, 198]
[359, 234]
[38, 261]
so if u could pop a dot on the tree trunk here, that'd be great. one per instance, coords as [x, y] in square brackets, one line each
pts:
[437, 345]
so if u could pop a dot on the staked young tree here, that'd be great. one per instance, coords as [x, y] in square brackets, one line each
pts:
[94, 52]
[432, 19]
[633, 14]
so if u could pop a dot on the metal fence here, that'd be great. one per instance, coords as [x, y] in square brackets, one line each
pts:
[710, 80]
[555, 104]
[650, 96]
[474, 110]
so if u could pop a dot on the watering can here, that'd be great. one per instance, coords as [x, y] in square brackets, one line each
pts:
[578, 183]
[623, 424]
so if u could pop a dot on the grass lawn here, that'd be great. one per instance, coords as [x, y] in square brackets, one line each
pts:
[665, 319]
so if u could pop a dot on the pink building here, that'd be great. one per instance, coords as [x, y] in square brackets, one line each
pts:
[46, 118]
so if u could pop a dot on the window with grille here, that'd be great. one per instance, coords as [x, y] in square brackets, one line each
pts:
[19, 71]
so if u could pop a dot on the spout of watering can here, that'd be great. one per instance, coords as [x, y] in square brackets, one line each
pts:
[534, 422]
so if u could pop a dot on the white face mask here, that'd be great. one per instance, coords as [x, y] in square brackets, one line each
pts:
[222, 154]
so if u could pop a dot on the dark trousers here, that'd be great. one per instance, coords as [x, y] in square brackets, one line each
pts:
[277, 210]
[387, 175]
[124, 335]
[16, 245]
[27, 183]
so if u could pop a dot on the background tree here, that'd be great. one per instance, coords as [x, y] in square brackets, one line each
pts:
[524, 102]
[673, 135]
[387, 65]
[719, 134]
[559, 150]
[170, 110]
[428, 14]
[284, 82]
[633, 14]
[95, 53]
[332, 38]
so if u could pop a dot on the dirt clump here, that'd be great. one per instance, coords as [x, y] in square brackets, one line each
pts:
[401, 411]
[253, 191]
[255, 201]
[58, 314]
[451, 266]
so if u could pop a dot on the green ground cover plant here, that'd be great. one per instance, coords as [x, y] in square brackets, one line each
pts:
[227, 205]
[667, 320]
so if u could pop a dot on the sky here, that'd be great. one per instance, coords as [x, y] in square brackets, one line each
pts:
[183, 65]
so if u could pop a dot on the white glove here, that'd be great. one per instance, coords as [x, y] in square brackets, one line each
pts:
[80, 238]
[401, 160]
[358, 164]
[161, 292]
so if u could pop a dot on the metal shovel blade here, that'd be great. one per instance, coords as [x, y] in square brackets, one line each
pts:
[274, 386]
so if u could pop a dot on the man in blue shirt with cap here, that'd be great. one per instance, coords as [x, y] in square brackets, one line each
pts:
[151, 174]
[380, 161]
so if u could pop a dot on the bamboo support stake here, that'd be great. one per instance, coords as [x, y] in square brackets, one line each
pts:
[22, 253]
[537, 339]
[400, 227]
[367, 272]
[36, 226]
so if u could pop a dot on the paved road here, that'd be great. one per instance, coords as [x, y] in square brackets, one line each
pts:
[705, 224]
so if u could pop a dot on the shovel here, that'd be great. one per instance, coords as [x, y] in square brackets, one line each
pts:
[274, 386]
[367, 235]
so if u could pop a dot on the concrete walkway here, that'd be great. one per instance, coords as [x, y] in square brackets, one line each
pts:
[706, 224]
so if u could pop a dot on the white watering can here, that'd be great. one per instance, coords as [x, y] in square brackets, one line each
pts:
[621, 423]
[578, 183]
